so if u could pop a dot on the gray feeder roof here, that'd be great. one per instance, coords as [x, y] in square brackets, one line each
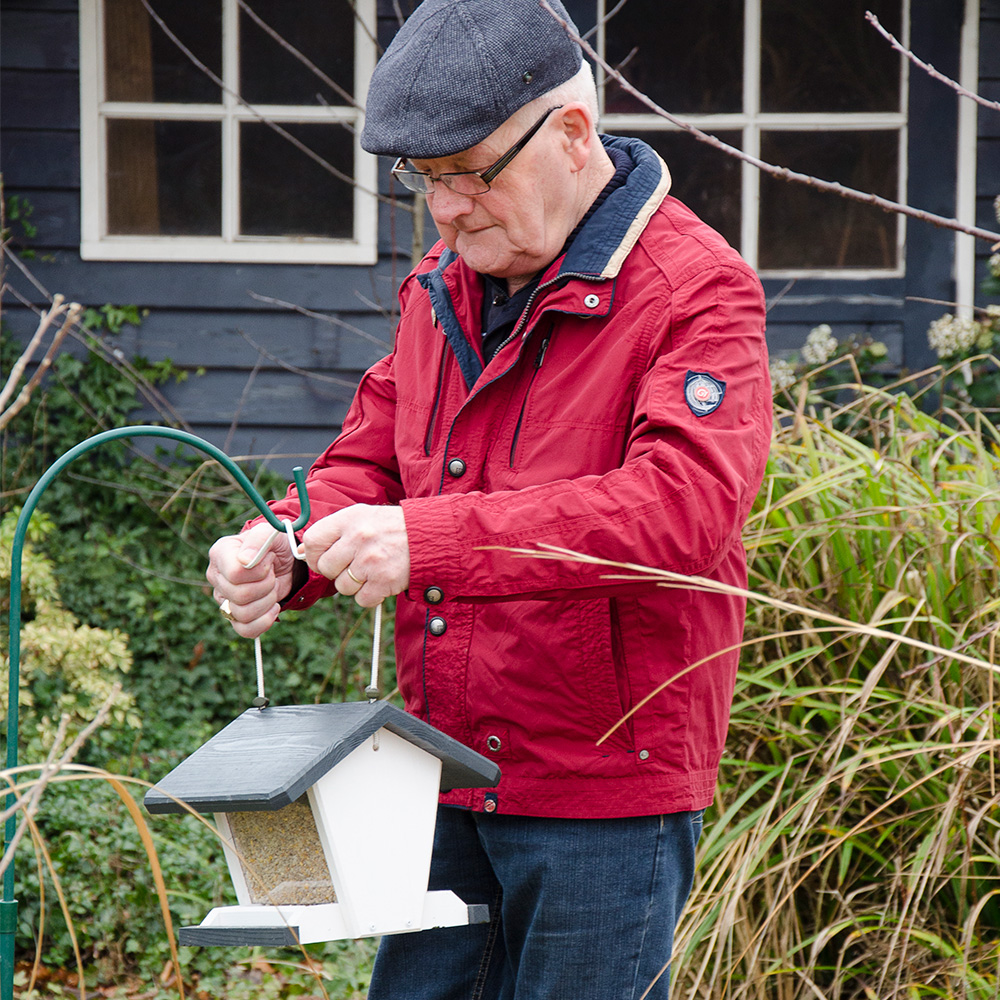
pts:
[265, 759]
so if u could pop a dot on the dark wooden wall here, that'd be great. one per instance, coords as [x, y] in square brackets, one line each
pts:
[277, 382]
[988, 177]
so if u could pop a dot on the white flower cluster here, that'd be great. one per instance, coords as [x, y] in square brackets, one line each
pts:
[995, 265]
[820, 345]
[782, 375]
[953, 335]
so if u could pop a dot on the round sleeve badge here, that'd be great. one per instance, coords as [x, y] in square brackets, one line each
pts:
[703, 393]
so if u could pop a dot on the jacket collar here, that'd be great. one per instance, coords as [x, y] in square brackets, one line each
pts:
[596, 254]
[601, 247]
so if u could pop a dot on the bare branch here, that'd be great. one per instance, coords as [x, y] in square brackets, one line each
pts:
[19, 264]
[244, 395]
[295, 370]
[333, 320]
[607, 17]
[927, 67]
[783, 173]
[58, 308]
[308, 63]
[49, 770]
[263, 119]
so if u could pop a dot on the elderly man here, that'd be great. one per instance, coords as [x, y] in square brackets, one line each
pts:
[579, 365]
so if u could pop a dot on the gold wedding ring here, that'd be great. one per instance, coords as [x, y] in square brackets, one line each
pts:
[360, 583]
[226, 610]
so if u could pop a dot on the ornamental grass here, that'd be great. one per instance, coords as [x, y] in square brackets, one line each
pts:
[854, 847]
[853, 850]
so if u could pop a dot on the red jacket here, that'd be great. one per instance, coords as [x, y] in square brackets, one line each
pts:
[628, 418]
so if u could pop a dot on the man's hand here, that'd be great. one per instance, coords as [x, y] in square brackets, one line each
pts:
[253, 594]
[363, 549]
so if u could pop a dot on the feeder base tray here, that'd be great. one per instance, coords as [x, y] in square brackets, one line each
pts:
[293, 925]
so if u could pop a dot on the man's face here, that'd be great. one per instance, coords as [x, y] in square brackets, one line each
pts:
[519, 225]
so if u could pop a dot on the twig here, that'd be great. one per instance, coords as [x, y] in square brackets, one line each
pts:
[783, 173]
[927, 67]
[44, 322]
[49, 770]
[325, 317]
[115, 357]
[295, 370]
[308, 63]
[244, 395]
[284, 133]
[607, 17]
[58, 308]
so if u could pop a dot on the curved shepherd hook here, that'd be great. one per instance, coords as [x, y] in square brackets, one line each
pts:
[8, 906]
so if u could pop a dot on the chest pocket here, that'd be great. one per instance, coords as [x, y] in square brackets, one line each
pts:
[567, 418]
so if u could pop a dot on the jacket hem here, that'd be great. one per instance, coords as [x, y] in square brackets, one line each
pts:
[614, 798]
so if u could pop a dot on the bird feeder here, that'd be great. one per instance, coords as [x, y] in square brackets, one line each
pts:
[327, 817]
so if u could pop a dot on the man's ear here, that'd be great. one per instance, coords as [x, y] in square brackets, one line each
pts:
[578, 133]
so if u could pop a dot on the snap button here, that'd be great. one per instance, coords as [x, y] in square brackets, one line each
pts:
[437, 626]
[490, 805]
[592, 301]
[643, 755]
[494, 743]
[433, 595]
[456, 468]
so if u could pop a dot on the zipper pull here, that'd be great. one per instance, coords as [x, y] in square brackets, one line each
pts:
[434, 316]
[541, 353]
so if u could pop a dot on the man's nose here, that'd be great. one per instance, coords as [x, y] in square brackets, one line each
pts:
[446, 205]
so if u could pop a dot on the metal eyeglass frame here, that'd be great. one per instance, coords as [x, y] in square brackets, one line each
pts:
[422, 182]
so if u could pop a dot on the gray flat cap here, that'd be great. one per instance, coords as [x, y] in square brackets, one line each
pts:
[458, 69]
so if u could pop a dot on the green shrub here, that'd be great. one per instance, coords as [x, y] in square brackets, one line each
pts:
[116, 569]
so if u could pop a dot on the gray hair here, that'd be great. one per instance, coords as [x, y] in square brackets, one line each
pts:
[580, 87]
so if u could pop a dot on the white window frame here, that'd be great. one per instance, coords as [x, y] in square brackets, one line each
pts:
[230, 246]
[751, 122]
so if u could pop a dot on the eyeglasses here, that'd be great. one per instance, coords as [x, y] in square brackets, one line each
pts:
[465, 182]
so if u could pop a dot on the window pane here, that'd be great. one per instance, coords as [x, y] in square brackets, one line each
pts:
[705, 179]
[285, 193]
[164, 178]
[322, 32]
[824, 56]
[688, 57]
[144, 64]
[801, 227]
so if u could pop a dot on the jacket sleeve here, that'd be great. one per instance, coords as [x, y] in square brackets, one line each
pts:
[678, 501]
[359, 467]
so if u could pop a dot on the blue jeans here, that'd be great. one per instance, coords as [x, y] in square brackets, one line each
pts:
[580, 910]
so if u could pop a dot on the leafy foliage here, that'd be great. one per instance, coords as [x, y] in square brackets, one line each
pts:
[122, 540]
[67, 669]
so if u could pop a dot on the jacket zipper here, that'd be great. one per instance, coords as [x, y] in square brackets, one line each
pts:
[523, 321]
[539, 358]
[429, 433]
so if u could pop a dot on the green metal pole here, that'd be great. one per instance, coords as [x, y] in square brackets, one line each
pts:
[8, 905]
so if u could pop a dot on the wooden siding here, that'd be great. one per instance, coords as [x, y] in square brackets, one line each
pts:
[988, 152]
[277, 382]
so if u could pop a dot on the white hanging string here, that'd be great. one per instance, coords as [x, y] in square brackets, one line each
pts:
[259, 659]
[372, 690]
[298, 552]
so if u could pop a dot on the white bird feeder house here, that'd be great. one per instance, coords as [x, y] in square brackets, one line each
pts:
[327, 814]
